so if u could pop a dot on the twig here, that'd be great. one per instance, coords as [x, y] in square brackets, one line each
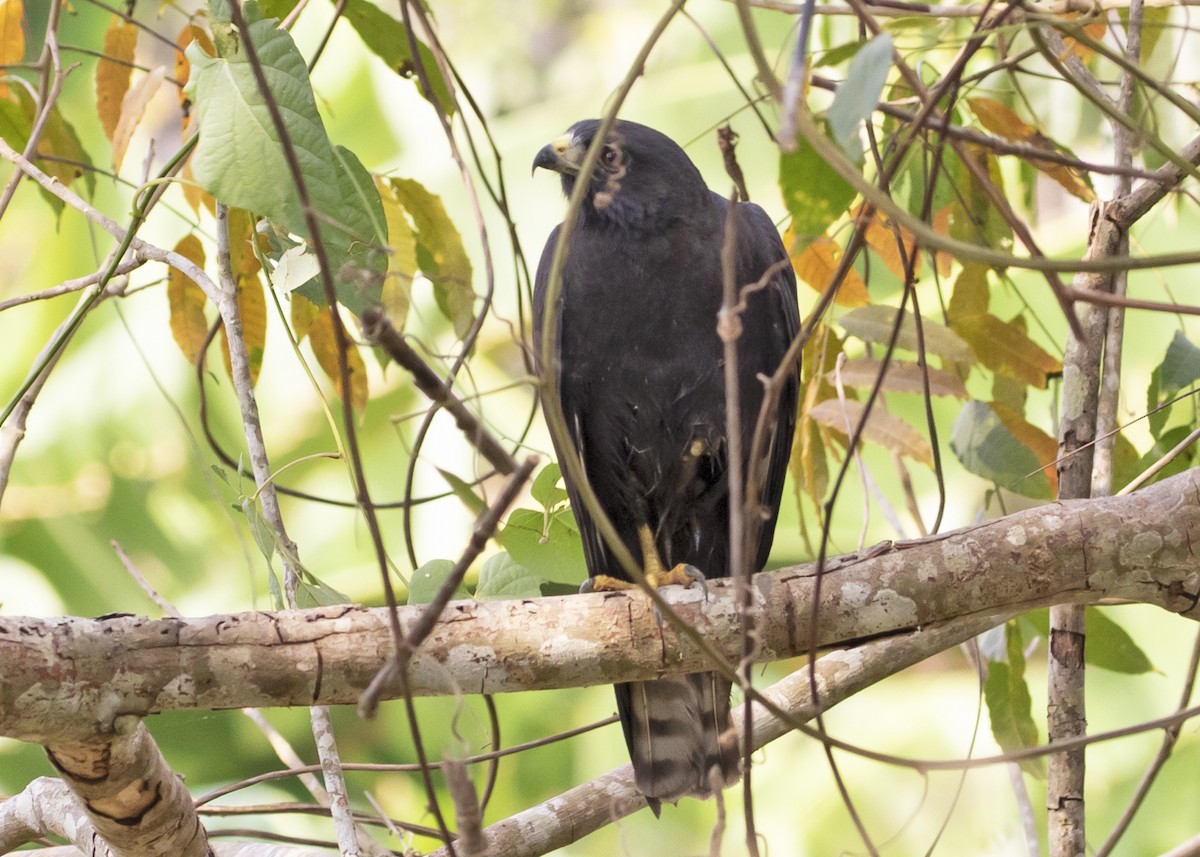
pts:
[377, 330]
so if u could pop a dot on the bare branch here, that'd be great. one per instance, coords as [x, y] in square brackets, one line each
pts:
[1138, 548]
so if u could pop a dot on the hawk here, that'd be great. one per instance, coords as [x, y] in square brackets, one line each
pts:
[639, 369]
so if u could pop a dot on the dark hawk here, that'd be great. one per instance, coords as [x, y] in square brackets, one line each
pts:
[639, 369]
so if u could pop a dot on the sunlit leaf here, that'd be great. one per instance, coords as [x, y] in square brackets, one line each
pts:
[875, 324]
[303, 313]
[545, 489]
[858, 95]
[503, 578]
[902, 377]
[12, 36]
[545, 543]
[1005, 347]
[427, 581]
[440, 252]
[986, 446]
[186, 300]
[240, 157]
[816, 265]
[885, 429]
[1010, 707]
[132, 109]
[402, 257]
[113, 72]
[814, 193]
[324, 346]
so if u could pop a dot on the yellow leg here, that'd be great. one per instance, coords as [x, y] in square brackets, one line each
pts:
[652, 567]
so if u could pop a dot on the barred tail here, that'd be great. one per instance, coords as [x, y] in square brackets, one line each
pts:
[680, 737]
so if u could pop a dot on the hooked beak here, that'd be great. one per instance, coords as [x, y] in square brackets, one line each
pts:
[562, 156]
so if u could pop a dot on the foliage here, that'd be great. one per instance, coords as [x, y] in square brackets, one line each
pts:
[944, 160]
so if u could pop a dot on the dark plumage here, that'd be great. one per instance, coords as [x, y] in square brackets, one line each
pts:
[639, 370]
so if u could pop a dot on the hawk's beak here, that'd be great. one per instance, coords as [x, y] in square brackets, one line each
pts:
[562, 156]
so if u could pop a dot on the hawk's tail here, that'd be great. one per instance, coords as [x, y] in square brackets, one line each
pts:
[680, 737]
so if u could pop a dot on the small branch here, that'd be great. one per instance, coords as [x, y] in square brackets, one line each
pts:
[378, 330]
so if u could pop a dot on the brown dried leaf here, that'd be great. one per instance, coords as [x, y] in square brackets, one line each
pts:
[881, 237]
[324, 346]
[816, 265]
[1005, 347]
[1095, 31]
[186, 300]
[113, 72]
[882, 428]
[903, 376]
[132, 109]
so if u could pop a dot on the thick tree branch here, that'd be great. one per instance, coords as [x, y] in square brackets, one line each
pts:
[69, 678]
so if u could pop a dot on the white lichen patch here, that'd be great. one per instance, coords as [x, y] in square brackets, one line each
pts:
[343, 625]
[1015, 536]
[877, 609]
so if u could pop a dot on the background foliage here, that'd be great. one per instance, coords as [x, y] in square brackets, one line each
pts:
[130, 444]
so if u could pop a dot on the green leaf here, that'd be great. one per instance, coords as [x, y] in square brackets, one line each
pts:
[1180, 367]
[1010, 707]
[837, 54]
[262, 534]
[463, 492]
[988, 449]
[1108, 645]
[814, 193]
[545, 487]
[240, 158]
[503, 578]
[858, 96]
[547, 544]
[1164, 444]
[311, 591]
[387, 38]
[440, 253]
[874, 324]
[427, 581]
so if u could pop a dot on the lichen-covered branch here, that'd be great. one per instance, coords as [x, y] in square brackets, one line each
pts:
[70, 678]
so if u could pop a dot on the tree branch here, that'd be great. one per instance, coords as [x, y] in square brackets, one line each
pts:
[70, 678]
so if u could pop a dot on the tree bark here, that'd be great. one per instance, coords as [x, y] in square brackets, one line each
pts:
[69, 679]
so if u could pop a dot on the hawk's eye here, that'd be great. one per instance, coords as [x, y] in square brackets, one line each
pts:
[610, 155]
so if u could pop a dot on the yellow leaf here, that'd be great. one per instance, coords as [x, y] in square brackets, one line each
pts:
[183, 67]
[999, 119]
[132, 108]
[12, 36]
[252, 301]
[941, 225]
[882, 428]
[113, 71]
[186, 300]
[816, 265]
[1004, 347]
[304, 313]
[970, 295]
[402, 257]
[324, 346]
[1095, 31]
[195, 195]
[1043, 447]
